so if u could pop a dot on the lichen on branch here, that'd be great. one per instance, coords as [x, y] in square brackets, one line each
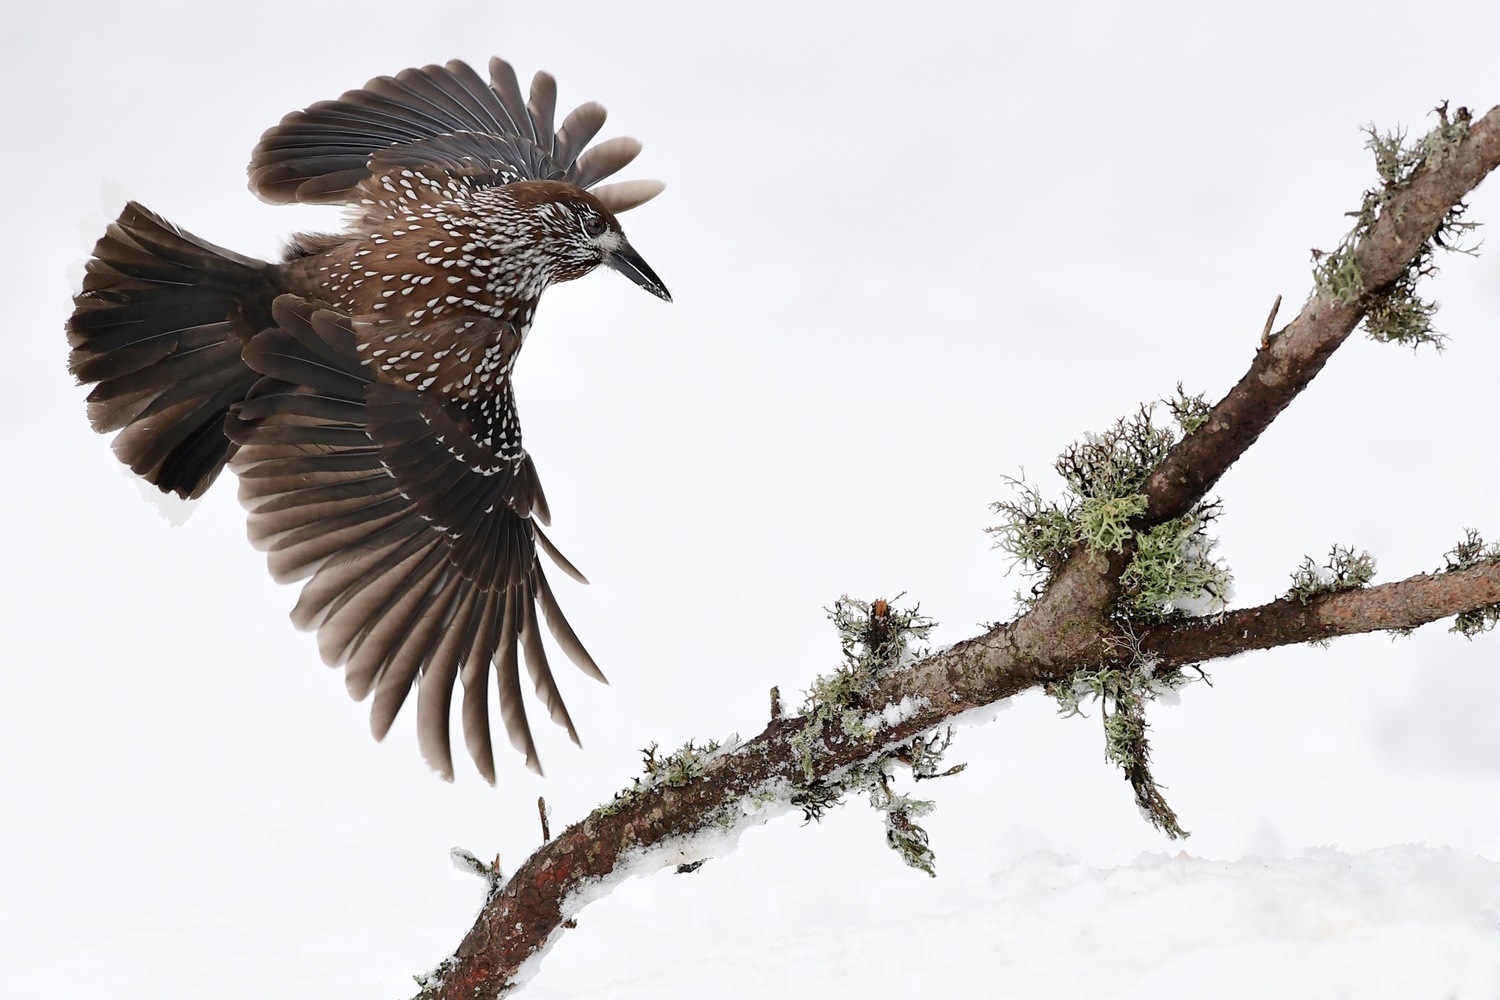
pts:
[1170, 571]
[1079, 635]
[877, 640]
[1468, 554]
[1344, 570]
[1396, 312]
[670, 770]
[1171, 568]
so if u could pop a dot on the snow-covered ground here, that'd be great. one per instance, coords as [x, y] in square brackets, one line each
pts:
[909, 255]
[1399, 921]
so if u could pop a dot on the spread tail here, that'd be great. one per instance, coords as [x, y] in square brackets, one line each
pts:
[157, 330]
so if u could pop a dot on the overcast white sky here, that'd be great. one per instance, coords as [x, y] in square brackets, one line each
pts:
[911, 254]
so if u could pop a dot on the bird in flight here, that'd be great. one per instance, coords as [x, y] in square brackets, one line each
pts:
[360, 388]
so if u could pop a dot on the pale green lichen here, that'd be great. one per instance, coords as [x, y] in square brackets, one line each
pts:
[1336, 275]
[1476, 621]
[1400, 315]
[1174, 565]
[1171, 564]
[1123, 687]
[1471, 553]
[1397, 313]
[1170, 571]
[1104, 522]
[1345, 570]
[673, 770]
[1038, 534]
[1190, 411]
[902, 832]
[876, 640]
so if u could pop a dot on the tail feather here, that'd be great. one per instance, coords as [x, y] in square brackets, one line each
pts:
[158, 329]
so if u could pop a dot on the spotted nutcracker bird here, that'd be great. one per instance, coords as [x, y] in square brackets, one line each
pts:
[360, 388]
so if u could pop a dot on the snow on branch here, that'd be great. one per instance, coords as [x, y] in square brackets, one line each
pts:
[1121, 565]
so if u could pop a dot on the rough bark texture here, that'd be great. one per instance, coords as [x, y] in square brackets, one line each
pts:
[1298, 352]
[1403, 605]
[1069, 627]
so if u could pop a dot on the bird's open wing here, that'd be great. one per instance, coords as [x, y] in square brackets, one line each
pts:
[447, 116]
[421, 551]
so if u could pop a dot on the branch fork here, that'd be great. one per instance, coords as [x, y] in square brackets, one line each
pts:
[678, 819]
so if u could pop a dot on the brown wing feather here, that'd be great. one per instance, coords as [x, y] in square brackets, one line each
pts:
[443, 118]
[420, 546]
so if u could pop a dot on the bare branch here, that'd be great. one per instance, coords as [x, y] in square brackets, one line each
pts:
[1404, 604]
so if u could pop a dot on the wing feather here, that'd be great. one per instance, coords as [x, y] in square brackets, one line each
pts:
[419, 548]
[540, 670]
[507, 88]
[604, 160]
[577, 131]
[350, 613]
[475, 677]
[438, 677]
[508, 683]
[469, 89]
[541, 109]
[385, 633]
[561, 631]
[418, 645]
[622, 196]
[437, 118]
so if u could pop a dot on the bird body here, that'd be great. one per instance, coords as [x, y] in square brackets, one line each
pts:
[361, 387]
[435, 248]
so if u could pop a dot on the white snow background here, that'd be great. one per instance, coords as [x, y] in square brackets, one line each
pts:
[913, 250]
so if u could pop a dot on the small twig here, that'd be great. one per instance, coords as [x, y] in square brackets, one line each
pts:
[541, 810]
[1265, 333]
[775, 703]
[465, 861]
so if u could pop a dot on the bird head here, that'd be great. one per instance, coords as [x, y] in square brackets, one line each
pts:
[576, 233]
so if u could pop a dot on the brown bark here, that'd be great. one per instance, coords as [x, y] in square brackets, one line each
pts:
[1068, 628]
[1402, 605]
[1298, 352]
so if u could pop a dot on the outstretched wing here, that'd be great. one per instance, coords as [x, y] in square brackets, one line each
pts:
[420, 544]
[441, 115]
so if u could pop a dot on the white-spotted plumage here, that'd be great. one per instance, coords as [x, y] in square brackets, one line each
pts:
[361, 388]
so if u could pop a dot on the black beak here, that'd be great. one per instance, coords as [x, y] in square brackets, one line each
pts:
[629, 263]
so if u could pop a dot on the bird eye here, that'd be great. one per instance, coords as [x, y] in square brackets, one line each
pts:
[593, 226]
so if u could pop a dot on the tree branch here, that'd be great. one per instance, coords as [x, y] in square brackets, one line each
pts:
[1405, 604]
[670, 818]
[1298, 352]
